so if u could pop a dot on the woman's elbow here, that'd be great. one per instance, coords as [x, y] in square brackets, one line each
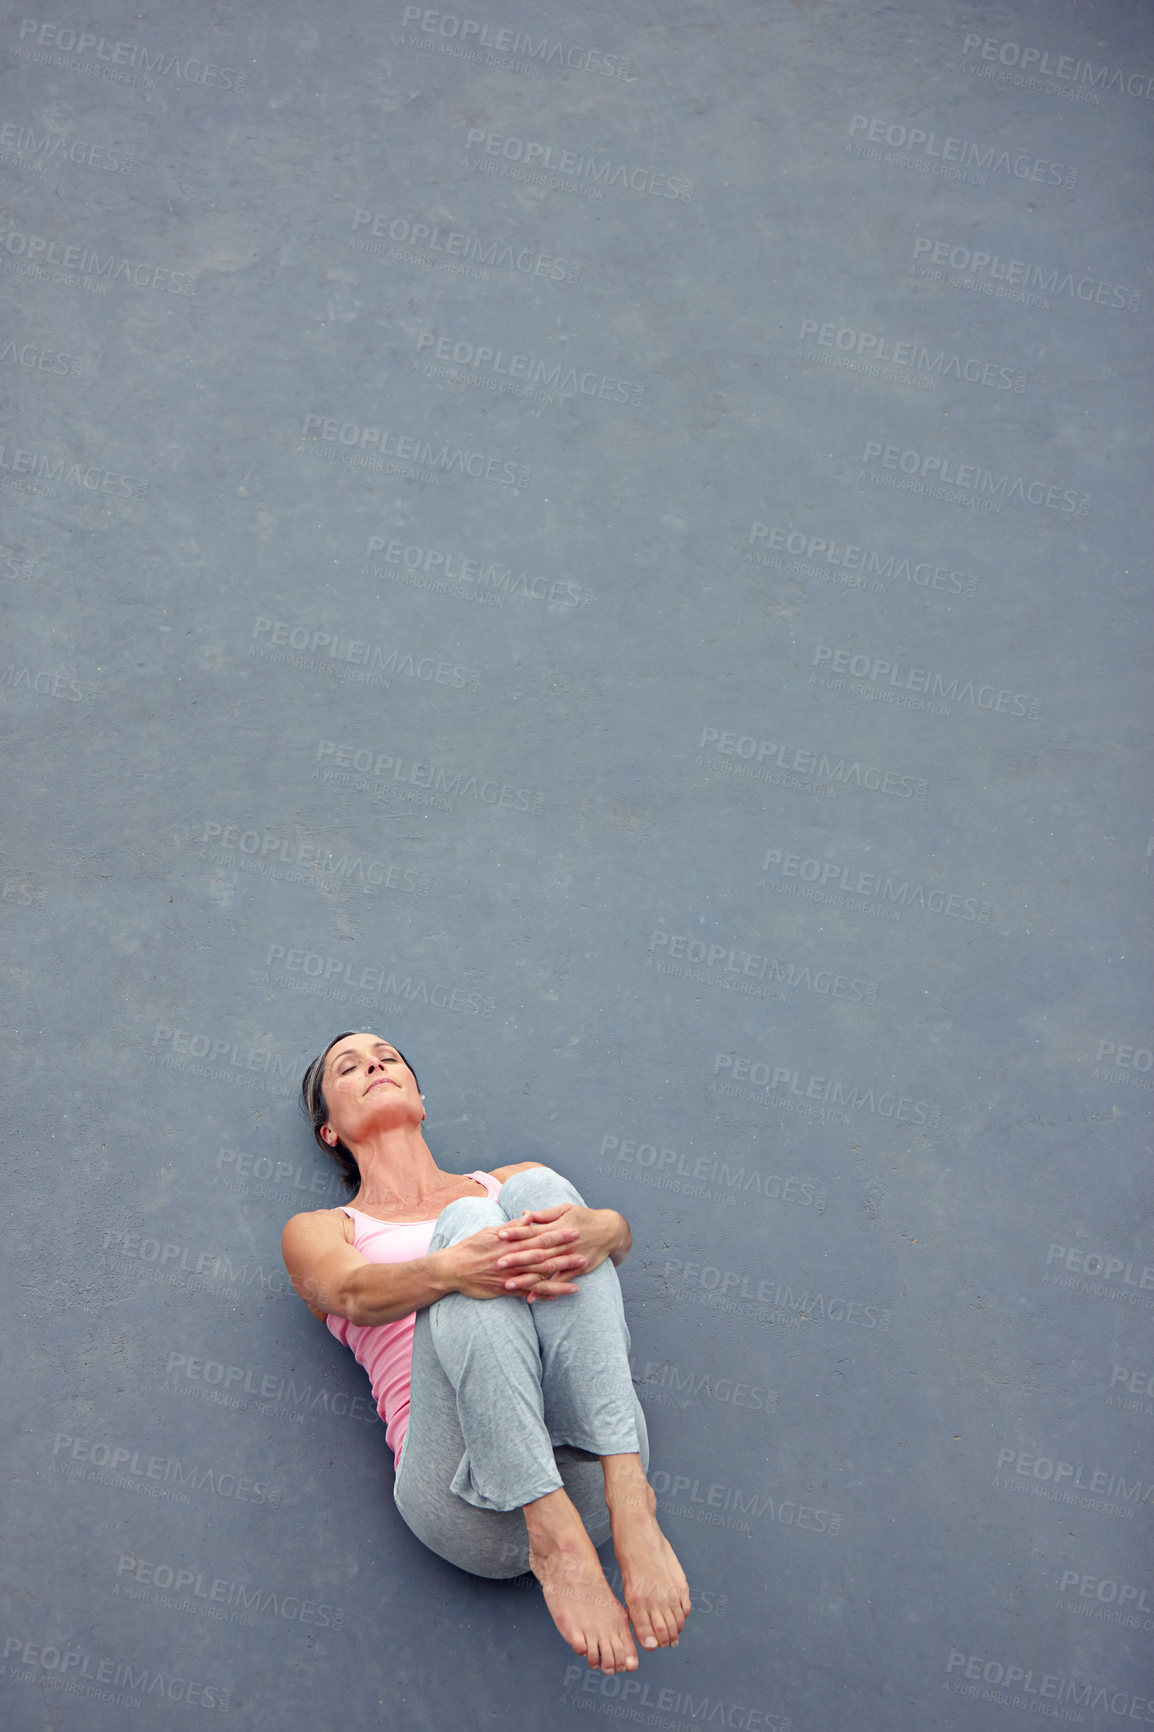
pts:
[346, 1303]
[321, 1298]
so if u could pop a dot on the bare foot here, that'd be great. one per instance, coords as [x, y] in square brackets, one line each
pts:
[583, 1606]
[652, 1581]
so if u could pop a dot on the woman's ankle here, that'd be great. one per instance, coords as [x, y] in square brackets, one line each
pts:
[625, 1468]
[551, 1518]
[626, 1486]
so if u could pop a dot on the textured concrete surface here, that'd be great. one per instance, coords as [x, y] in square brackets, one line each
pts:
[612, 546]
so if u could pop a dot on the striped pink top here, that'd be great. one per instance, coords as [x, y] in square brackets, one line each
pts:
[386, 1349]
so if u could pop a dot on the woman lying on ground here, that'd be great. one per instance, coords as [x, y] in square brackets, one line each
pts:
[519, 1442]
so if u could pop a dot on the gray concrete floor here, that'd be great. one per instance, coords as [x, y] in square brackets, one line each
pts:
[611, 546]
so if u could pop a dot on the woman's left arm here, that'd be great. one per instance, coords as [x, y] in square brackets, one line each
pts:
[602, 1233]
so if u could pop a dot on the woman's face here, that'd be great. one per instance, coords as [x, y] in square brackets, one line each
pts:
[367, 1086]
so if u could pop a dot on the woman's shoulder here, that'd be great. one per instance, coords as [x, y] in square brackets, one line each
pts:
[316, 1224]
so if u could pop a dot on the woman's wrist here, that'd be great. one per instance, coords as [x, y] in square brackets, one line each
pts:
[441, 1271]
[620, 1237]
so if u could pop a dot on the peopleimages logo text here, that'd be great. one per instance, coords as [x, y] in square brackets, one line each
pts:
[460, 244]
[730, 960]
[59, 146]
[892, 671]
[870, 346]
[962, 152]
[412, 448]
[187, 70]
[1042, 279]
[895, 892]
[946, 472]
[76, 1672]
[534, 156]
[1063, 66]
[999, 1677]
[473, 33]
[829, 1091]
[41, 251]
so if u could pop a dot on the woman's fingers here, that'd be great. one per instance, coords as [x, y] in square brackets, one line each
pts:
[545, 1262]
[552, 1290]
[540, 1260]
[541, 1245]
[552, 1269]
[567, 1270]
[533, 1230]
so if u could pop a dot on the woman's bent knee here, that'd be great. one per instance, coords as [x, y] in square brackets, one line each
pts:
[463, 1217]
[481, 1209]
[537, 1188]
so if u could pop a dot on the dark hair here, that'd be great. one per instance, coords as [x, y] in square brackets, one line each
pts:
[315, 1108]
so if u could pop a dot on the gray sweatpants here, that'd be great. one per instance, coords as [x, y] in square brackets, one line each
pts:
[510, 1401]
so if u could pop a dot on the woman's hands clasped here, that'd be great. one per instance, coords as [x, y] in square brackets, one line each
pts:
[530, 1266]
[538, 1256]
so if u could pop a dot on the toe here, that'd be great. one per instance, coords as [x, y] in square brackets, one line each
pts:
[645, 1625]
[626, 1653]
[665, 1625]
[664, 1633]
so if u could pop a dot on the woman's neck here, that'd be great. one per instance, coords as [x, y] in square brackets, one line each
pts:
[397, 1170]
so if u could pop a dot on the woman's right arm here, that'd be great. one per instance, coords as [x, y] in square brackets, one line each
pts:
[333, 1277]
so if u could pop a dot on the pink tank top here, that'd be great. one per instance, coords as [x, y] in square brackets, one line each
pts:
[386, 1349]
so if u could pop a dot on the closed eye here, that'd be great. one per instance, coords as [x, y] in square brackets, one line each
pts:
[385, 1058]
